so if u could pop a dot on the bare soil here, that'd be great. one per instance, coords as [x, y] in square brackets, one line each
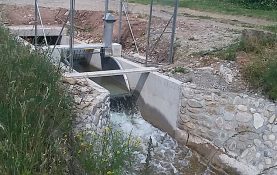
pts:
[197, 32]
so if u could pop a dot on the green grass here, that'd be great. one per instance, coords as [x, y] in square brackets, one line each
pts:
[261, 69]
[36, 122]
[35, 112]
[219, 6]
[272, 28]
[107, 152]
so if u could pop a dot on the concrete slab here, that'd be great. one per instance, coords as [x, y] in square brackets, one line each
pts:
[29, 30]
[110, 72]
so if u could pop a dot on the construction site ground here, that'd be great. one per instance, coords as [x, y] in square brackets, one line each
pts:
[197, 33]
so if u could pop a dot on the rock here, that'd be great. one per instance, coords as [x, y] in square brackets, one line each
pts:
[252, 110]
[243, 117]
[228, 116]
[233, 146]
[242, 108]
[274, 128]
[184, 102]
[194, 103]
[261, 166]
[271, 137]
[226, 73]
[194, 110]
[272, 119]
[258, 120]
[237, 100]
[268, 161]
[219, 122]
[258, 155]
[268, 144]
[70, 81]
[257, 142]
[271, 108]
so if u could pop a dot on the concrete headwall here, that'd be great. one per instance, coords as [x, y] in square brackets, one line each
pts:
[158, 96]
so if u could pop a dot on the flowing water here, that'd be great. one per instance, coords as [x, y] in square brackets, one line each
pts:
[167, 157]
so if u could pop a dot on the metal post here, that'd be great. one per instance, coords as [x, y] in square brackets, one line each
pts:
[36, 25]
[171, 52]
[120, 22]
[148, 32]
[106, 7]
[71, 38]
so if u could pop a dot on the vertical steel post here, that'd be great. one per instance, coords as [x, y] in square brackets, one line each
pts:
[148, 32]
[171, 51]
[106, 7]
[120, 22]
[71, 38]
[36, 25]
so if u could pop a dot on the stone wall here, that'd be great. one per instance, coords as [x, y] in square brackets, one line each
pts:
[242, 127]
[92, 104]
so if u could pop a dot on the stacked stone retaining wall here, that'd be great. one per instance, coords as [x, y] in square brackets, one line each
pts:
[237, 125]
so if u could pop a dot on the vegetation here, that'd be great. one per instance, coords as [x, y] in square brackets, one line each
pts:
[261, 68]
[108, 152]
[34, 112]
[36, 121]
[255, 8]
[272, 28]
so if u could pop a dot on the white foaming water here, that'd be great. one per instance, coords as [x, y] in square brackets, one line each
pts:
[167, 156]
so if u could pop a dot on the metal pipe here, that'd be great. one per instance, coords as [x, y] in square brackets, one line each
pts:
[148, 32]
[71, 37]
[171, 51]
[60, 34]
[106, 7]
[45, 39]
[120, 22]
[36, 25]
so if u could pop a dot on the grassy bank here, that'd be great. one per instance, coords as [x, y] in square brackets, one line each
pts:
[258, 52]
[220, 6]
[36, 122]
[35, 113]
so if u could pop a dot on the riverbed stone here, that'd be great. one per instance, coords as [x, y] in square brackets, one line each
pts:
[243, 117]
[258, 120]
[194, 103]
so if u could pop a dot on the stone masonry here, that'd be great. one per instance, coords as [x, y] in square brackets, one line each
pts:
[241, 126]
[92, 104]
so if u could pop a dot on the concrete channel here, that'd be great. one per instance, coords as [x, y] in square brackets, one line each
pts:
[158, 97]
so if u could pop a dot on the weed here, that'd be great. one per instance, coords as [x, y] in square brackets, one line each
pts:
[35, 112]
[107, 152]
[272, 28]
[180, 70]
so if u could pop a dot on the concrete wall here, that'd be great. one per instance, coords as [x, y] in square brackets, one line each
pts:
[158, 96]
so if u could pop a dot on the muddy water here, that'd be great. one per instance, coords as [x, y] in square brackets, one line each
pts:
[167, 157]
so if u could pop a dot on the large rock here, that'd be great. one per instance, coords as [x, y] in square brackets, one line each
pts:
[258, 120]
[243, 117]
